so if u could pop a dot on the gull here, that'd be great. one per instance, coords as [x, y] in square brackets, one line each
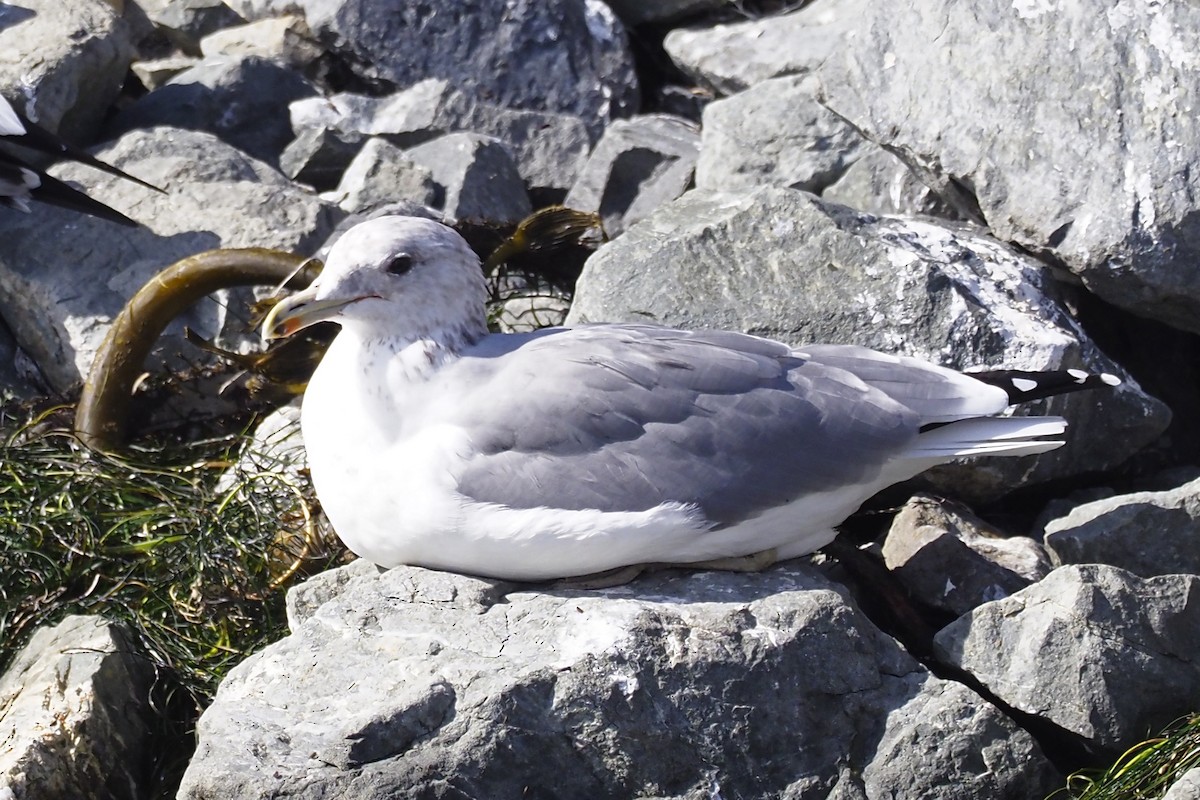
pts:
[574, 451]
[21, 182]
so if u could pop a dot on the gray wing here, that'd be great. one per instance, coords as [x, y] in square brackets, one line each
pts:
[628, 417]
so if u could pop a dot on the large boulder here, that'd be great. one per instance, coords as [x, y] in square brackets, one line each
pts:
[784, 264]
[568, 56]
[1147, 533]
[1094, 649]
[75, 715]
[1067, 129]
[414, 683]
[62, 62]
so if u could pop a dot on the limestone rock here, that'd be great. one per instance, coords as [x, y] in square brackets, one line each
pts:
[549, 148]
[76, 718]
[638, 165]
[477, 177]
[214, 199]
[64, 62]
[879, 183]
[1067, 129]
[1147, 533]
[319, 157]
[243, 101]
[382, 173]
[1186, 788]
[954, 561]
[421, 684]
[774, 133]
[284, 39]
[783, 264]
[1094, 649]
[732, 57]
[191, 20]
[567, 56]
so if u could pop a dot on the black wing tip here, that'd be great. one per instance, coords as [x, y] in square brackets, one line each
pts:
[1023, 386]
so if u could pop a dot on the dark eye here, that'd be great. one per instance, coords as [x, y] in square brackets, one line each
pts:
[399, 264]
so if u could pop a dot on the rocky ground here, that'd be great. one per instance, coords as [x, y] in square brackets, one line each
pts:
[982, 184]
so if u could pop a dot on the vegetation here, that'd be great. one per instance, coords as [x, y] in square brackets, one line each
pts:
[189, 547]
[1144, 772]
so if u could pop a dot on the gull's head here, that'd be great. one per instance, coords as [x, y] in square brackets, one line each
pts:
[393, 278]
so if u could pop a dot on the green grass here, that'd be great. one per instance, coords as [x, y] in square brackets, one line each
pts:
[196, 565]
[1144, 772]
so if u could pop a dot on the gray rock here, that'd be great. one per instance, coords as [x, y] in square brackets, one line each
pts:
[19, 376]
[549, 148]
[879, 183]
[733, 57]
[213, 201]
[953, 561]
[568, 56]
[419, 684]
[261, 9]
[64, 64]
[382, 173]
[191, 20]
[477, 176]
[782, 263]
[319, 156]
[242, 100]
[1186, 788]
[1147, 533]
[156, 72]
[638, 165]
[1065, 128]
[1094, 649]
[76, 718]
[775, 133]
[284, 39]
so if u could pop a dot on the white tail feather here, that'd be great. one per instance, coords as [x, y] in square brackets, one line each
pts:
[992, 436]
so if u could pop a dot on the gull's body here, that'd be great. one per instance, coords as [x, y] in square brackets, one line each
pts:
[571, 451]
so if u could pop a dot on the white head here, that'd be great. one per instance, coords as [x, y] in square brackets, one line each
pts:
[398, 279]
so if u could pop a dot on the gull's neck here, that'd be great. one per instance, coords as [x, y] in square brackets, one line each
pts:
[416, 356]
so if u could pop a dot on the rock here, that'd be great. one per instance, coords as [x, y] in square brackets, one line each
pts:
[782, 263]
[638, 165]
[320, 156]
[879, 183]
[953, 561]
[190, 20]
[214, 200]
[774, 133]
[77, 719]
[64, 64]
[1147, 533]
[286, 40]
[733, 57]
[382, 173]
[477, 176]
[418, 683]
[158, 71]
[1094, 649]
[549, 148]
[1116, 203]
[636, 12]
[567, 56]
[242, 100]
[19, 376]
[261, 9]
[1186, 788]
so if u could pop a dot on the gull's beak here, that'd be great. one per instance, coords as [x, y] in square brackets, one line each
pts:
[299, 311]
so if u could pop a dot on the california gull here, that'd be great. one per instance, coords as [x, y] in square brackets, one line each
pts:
[570, 451]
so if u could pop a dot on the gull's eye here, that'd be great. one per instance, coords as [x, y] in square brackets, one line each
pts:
[399, 264]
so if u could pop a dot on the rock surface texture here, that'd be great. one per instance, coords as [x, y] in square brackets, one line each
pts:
[683, 685]
[1066, 129]
[983, 184]
[75, 715]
